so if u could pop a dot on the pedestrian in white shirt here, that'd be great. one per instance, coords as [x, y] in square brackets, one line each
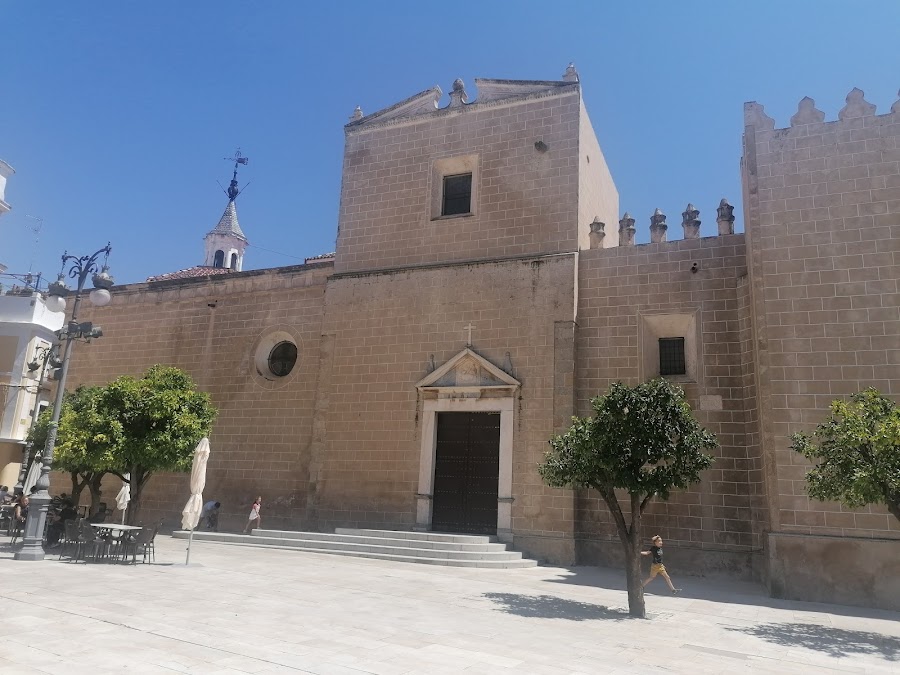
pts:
[254, 519]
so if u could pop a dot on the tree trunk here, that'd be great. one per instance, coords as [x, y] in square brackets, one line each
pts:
[94, 487]
[893, 506]
[631, 544]
[138, 481]
[77, 487]
[636, 607]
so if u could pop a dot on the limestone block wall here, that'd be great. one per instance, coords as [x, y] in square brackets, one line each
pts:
[758, 489]
[525, 200]
[598, 197]
[622, 292]
[380, 332]
[822, 204]
[212, 328]
[823, 224]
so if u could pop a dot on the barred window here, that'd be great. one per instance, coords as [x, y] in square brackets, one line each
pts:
[671, 356]
[457, 194]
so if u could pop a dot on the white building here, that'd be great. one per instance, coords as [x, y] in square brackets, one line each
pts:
[26, 328]
[5, 172]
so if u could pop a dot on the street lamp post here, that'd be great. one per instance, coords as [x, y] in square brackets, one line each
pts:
[80, 268]
[43, 357]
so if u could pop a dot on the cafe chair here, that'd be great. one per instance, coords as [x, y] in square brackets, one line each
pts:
[90, 543]
[143, 541]
[16, 530]
[70, 538]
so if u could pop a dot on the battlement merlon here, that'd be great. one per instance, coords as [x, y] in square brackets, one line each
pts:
[817, 164]
[857, 113]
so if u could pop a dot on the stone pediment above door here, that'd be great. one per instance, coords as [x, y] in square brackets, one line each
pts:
[468, 375]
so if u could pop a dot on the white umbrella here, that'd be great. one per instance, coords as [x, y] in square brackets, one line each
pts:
[190, 516]
[124, 496]
[34, 472]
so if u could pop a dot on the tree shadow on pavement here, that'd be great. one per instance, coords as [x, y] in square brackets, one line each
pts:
[837, 642]
[712, 589]
[551, 607]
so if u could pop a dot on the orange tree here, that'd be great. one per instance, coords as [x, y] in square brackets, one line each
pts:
[86, 442]
[160, 418]
[642, 441]
[856, 453]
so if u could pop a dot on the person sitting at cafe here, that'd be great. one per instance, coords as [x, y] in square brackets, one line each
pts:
[58, 525]
[101, 515]
[4, 494]
[21, 512]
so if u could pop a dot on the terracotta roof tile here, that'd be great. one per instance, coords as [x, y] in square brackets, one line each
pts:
[191, 273]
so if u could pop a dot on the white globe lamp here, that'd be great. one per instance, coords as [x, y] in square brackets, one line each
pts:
[55, 303]
[100, 297]
[103, 281]
[55, 300]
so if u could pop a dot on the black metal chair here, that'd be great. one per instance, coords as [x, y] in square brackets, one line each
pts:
[90, 543]
[70, 537]
[16, 528]
[6, 518]
[142, 541]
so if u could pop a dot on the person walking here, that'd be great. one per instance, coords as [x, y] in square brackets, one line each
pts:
[254, 519]
[656, 566]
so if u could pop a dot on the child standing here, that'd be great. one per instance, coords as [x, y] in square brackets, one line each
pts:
[657, 567]
[254, 519]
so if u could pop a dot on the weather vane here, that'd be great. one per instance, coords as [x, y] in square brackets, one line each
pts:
[238, 158]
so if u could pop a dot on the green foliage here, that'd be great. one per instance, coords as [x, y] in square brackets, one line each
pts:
[131, 425]
[88, 438]
[86, 443]
[162, 417]
[856, 452]
[641, 439]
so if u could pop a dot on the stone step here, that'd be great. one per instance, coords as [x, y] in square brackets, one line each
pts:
[319, 542]
[420, 536]
[368, 539]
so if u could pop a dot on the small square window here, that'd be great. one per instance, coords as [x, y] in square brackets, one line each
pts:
[671, 356]
[457, 198]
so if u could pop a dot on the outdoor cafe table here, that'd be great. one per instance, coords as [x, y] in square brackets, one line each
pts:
[115, 527]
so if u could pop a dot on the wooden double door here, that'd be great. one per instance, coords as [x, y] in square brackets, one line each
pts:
[466, 472]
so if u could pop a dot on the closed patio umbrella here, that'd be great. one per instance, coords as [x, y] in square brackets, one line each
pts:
[124, 496]
[190, 516]
[34, 472]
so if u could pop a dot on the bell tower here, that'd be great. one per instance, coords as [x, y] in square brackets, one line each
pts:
[225, 243]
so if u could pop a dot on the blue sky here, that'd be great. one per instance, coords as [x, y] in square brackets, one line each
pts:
[116, 116]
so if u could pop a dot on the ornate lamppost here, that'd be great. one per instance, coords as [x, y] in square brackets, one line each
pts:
[80, 269]
[43, 357]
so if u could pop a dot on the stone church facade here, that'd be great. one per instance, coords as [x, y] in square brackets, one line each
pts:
[484, 288]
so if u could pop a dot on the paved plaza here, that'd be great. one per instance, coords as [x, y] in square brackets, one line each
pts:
[239, 609]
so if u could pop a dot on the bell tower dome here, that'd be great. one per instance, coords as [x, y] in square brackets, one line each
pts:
[226, 242]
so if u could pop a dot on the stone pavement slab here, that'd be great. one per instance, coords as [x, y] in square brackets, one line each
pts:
[252, 610]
